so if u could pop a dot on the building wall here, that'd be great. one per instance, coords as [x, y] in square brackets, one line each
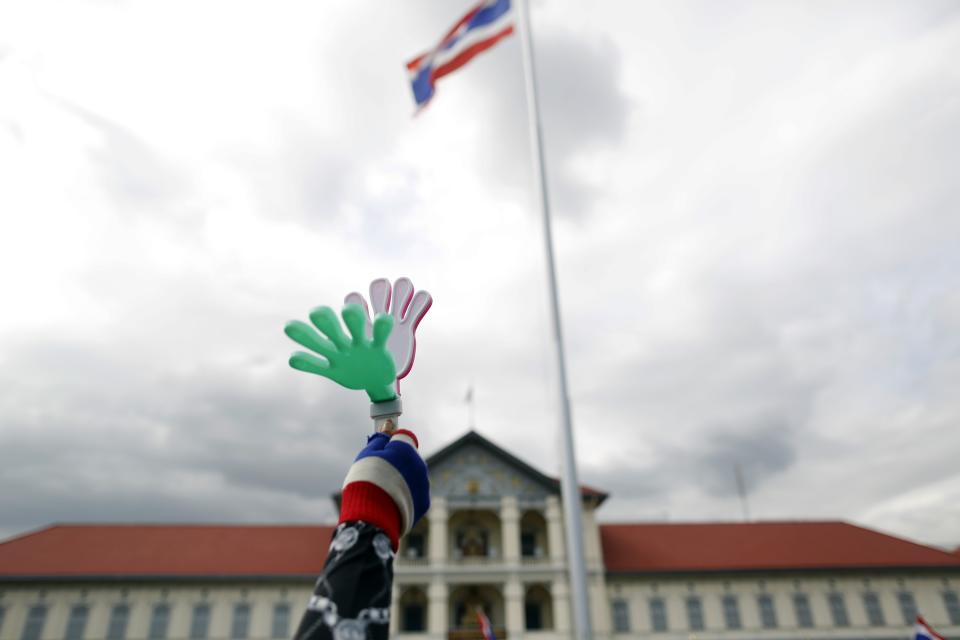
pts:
[100, 597]
[927, 589]
[505, 576]
[474, 490]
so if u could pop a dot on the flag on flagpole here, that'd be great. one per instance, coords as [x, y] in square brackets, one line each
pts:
[923, 631]
[486, 24]
[485, 627]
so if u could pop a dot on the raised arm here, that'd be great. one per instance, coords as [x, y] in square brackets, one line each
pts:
[385, 493]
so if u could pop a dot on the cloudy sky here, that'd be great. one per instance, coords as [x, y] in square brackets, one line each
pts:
[756, 225]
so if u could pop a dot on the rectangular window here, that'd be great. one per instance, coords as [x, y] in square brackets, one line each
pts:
[416, 545]
[871, 603]
[33, 627]
[77, 622]
[117, 627]
[533, 615]
[768, 615]
[413, 618]
[695, 613]
[281, 621]
[801, 607]
[658, 614]
[159, 622]
[838, 610]
[950, 602]
[621, 616]
[200, 624]
[528, 544]
[908, 607]
[731, 612]
[240, 628]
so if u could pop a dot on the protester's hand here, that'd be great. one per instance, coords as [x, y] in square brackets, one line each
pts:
[407, 310]
[388, 427]
[357, 362]
[388, 484]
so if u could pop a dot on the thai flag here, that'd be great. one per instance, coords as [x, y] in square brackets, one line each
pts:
[486, 628]
[485, 25]
[923, 631]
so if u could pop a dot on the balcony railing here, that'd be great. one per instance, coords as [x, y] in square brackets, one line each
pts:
[475, 560]
[474, 634]
[483, 561]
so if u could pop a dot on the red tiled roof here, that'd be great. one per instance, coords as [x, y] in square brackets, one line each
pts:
[181, 550]
[278, 550]
[587, 490]
[677, 547]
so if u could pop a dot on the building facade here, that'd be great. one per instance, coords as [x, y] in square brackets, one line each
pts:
[492, 540]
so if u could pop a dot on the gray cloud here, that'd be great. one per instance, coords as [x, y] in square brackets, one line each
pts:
[774, 285]
[133, 173]
[96, 436]
[306, 176]
[583, 109]
[761, 450]
[650, 486]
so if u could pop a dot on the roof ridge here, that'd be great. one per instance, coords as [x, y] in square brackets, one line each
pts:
[903, 540]
[29, 532]
[264, 549]
[74, 526]
[134, 523]
[722, 522]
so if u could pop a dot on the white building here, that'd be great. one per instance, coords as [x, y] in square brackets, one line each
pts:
[493, 538]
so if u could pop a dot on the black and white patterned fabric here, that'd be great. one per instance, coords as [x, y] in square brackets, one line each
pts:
[351, 600]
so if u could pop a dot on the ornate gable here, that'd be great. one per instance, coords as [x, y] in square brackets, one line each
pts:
[473, 467]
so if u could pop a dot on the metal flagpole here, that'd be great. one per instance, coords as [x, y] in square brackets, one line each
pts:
[570, 487]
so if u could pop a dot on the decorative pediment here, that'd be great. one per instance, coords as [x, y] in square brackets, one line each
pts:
[474, 467]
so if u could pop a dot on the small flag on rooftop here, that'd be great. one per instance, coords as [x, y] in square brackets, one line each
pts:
[923, 631]
[486, 24]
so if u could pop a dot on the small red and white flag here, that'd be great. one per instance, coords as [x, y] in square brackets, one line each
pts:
[487, 629]
[923, 631]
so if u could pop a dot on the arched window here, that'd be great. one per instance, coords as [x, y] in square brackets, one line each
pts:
[467, 600]
[474, 535]
[414, 544]
[537, 608]
[533, 535]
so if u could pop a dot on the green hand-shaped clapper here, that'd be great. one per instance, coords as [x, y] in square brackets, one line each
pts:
[355, 362]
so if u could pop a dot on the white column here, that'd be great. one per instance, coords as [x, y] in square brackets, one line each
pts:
[600, 607]
[438, 517]
[591, 540]
[510, 529]
[513, 607]
[437, 608]
[555, 530]
[394, 609]
[561, 607]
